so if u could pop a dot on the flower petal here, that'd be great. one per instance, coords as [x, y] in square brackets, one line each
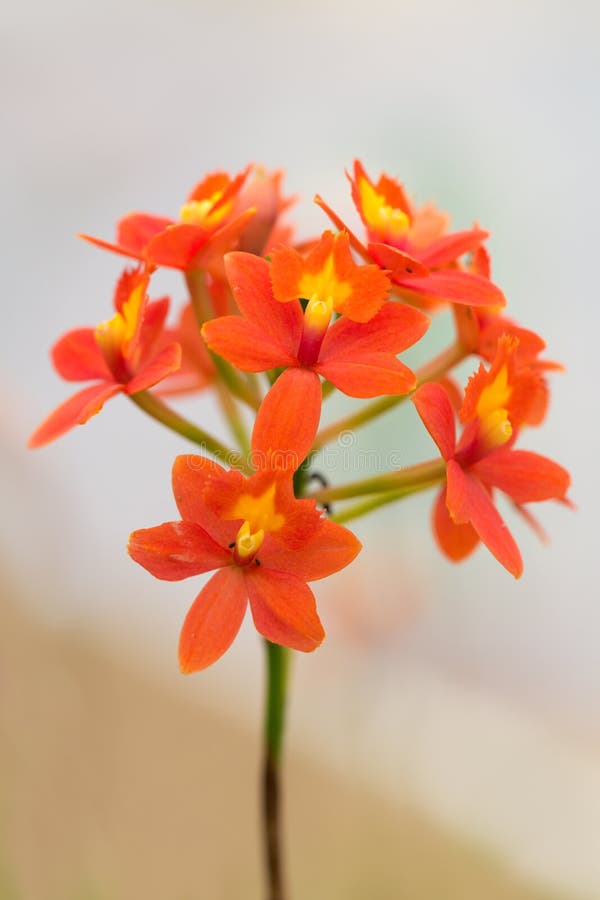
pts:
[213, 621]
[398, 264]
[74, 411]
[190, 475]
[283, 609]
[341, 226]
[136, 230]
[331, 548]
[287, 421]
[526, 477]
[164, 363]
[456, 287]
[176, 246]
[450, 247]
[368, 375]
[395, 328]
[468, 501]
[77, 357]
[176, 550]
[245, 344]
[435, 409]
[250, 280]
[455, 541]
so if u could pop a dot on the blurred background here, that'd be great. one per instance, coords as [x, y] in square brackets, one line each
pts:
[444, 741]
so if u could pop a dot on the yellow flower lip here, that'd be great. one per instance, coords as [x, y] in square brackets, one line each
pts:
[380, 215]
[317, 314]
[203, 212]
[259, 513]
[248, 543]
[496, 428]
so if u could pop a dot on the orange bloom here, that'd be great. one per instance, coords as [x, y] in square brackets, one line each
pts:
[262, 191]
[274, 331]
[207, 227]
[497, 402]
[411, 244]
[329, 279]
[125, 354]
[265, 544]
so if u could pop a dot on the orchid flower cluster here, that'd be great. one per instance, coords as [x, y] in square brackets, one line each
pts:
[273, 326]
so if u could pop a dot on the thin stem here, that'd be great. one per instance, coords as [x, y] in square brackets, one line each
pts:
[159, 410]
[411, 478]
[203, 310]
[277, 674]
[431, 371]
[366, 506]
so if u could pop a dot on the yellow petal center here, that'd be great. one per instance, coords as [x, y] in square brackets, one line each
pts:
[382, 217]
[325, 287]
[248, 543]
[259, 513]
[317, 314]
[117, 333]
[492, 410]
[203, 212]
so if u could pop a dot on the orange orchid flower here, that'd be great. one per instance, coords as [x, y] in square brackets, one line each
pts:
[125, 354]
[411, 244]
[356, 355]
[265, 545]
[262, 191]
[497, 402]
[208, 226]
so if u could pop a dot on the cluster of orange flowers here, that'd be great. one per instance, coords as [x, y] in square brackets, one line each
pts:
[334, 312]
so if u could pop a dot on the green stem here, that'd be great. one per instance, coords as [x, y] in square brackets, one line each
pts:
[431, 371]
[411, 478]
[366, 506]
[203, 310]
[159, 410]
[278, 659]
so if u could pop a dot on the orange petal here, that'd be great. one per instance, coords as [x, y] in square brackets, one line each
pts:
[176, 246]
[468, 501]
[341, 226]
[435, 409]
[456, 287]
[330, 548]
[213, 621]
[455, 541]
[74, 411]
[449, 248]
[395, 328]
[77, 357]
[400, 265]
[176, 550]
[191, 473]
[152, 326]
[526, 477]
[222, 241]
[245, 344]
[368, 375]
[287, 421]
[165, 363]
[283, 609]
[136, 230]
[250, 280]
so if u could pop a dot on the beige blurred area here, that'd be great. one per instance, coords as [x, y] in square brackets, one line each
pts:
[113, 789]
[444, 742]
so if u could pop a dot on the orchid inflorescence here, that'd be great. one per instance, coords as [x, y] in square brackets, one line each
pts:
[273, 326]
